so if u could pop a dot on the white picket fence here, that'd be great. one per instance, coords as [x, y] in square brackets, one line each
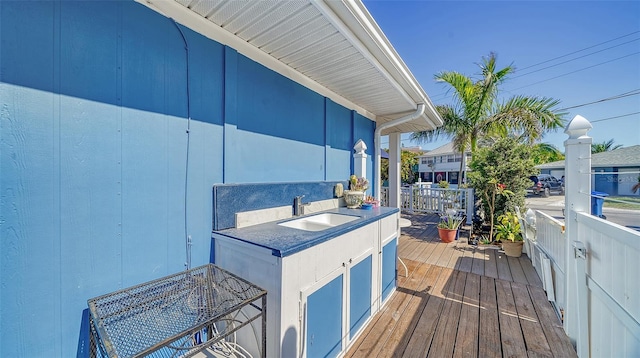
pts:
[546, 246]
[422, 198]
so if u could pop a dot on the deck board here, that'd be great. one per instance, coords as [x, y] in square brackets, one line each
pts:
[463, 301]
[502, 263]
[378, 334]
[408, 320]
[517, 274]
[424, 330]
[490, 266]
[466, 344]
[447, 326]
[530, 273]
[479, 258]
[510, 332]
[489, 345]
[534, 337]
[551, 325]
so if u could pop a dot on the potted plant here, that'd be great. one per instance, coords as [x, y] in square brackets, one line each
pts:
[448, 226]
[508, 232]
[355, 196]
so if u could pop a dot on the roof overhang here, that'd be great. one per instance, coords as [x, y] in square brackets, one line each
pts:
[333, 47]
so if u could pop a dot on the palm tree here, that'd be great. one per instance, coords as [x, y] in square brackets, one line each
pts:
[408, 161]
[545, 153]
[604, 147]
[477, 113]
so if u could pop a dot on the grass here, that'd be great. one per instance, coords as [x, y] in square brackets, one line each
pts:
[632, 202]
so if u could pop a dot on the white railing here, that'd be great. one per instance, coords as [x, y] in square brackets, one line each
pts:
[384, 196]
[547, 251]
[551, 237]
[420, 198]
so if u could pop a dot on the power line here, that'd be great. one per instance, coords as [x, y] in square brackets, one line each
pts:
[573, 59]
[574, 52]
[622, 95]
[606, 119]
[582, 69]
[446, 93]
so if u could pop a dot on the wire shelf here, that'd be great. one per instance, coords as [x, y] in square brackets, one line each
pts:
[174, 316]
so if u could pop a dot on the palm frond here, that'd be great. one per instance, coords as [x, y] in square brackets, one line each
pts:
[529, 117]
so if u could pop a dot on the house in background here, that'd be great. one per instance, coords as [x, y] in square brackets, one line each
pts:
[616, 171]
[116, 122]
[442, 163]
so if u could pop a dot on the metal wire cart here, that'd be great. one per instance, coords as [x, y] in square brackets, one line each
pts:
[178, 315]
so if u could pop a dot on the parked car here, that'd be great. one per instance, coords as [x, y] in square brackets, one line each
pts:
[545, 184]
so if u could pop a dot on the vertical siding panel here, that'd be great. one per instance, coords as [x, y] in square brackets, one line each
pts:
[206, 149]
[28, 215]
[90, 174]
[338, 141]
[145, 145]
[204, 160]
[280, 129]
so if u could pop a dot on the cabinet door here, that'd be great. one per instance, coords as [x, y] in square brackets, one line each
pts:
[324, 307]
[360, 279]
[389, 256]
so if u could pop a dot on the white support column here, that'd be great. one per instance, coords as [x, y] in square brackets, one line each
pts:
[360, 159]
[394, 170]
[577, 199]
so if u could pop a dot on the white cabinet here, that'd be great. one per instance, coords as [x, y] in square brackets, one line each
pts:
[319, 298]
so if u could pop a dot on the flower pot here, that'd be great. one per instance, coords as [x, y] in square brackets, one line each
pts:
[512, 248]
[353, 198]
[447, 235]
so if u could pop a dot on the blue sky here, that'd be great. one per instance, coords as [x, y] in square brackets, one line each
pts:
[434, 36]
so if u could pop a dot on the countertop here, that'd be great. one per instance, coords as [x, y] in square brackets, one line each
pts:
[284, 241]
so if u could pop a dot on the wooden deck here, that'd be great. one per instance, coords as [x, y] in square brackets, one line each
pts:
[462, 301]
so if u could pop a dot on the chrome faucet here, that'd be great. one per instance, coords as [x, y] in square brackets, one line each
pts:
[298, 206]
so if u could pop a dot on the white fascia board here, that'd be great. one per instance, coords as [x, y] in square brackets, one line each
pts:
[197, 23]
[354, 14]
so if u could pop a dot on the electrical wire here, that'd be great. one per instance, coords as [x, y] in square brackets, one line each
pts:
[608, 118]
[622, 95]
[573, 59]
[187, 237]
[574, 52]
[582, 69]
[444, 94]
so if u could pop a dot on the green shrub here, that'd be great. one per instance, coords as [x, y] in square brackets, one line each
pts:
[507, 164]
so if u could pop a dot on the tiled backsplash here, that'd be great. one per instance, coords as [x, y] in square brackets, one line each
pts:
[229, 199]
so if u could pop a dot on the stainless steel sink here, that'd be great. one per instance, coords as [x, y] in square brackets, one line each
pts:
[319, 222]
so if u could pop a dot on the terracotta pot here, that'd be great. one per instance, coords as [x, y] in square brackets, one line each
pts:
[447, 235]
[512, 248]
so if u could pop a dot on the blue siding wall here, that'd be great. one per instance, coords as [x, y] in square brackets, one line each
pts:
[339, 147]
[93, 155]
